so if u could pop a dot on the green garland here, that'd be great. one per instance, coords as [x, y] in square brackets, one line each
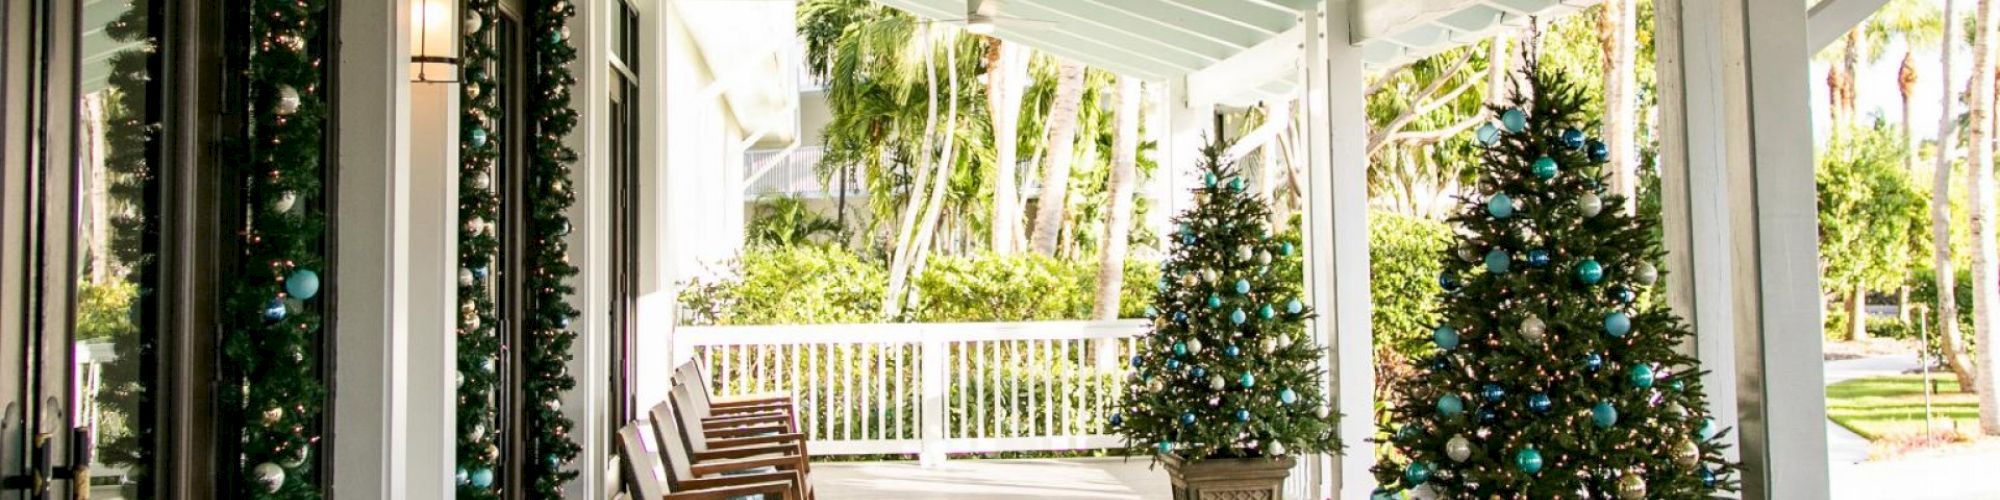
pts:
[479, 209]
[130, 186]
[547, 353]
[272, 328]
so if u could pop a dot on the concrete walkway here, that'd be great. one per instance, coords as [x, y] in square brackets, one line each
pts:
[1958, 474]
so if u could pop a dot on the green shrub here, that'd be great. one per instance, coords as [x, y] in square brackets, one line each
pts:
[1024, 288]
[1890, 328]
[789, 285]
[1403, 270]
[1923, 290]
[104, 311]
[814, 285]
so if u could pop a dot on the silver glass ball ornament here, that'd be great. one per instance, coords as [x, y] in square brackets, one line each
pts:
[288, 101]
[1245, 253]
[1284, 341]
[481, 181]
[1275, 449]
[1458, 448]
[1264, 258]
[1631, 487]
[473, 21]
[297, 458]
[270, 476]
[1210, 276]
[1687, 454]
[1589, 204]
[1193, 346]
[1646, 274]
[1215, 382]
[285, 202]
[273, 415]
[1268, 345]
[464, 277]
[475, 225]
[1533, 328]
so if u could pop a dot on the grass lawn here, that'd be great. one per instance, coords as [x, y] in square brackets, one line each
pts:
[1891, 408]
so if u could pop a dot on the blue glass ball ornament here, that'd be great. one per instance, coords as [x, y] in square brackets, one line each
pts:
[1500, 206]
[274, 310]
[1197, 372]
[1237, 317]
[1242, 287]
[462, 476]
[479, 273]
[1187, 419]
[1497, 261]
[1166, 447]
[1138, 360]
[1603, 415]
[1180, 348]
[1242, 415]
[1441, 363]
[1621, 294]
[1287, 396]
[1247, 380]
[1187, 239]
[1266, 311]
[477, 136]
[302, 284]
[1445, 337]
[1232, 351]
[1545, 168]
[1448, 281]
[1493, 392]
[1707, 477]
[1641, 376]
[1214, 301]
[1405, 434]
[1173, 364]
[1117, 420]
[1617, 324]
[1487, 416]
[1151, 312]
[1528, 460]
[1514, 120]
[482, 478]
[1598, 151]
[1180, 317]
[1417, 473]
[1677, 385]
[562, 321]
[1572, 138]
[1488, 134]
[1208, 179]
[1539, 403]
[1707, 430]
[1538, 258]
[1285, 248]
[1590, 272]
[1450, 406]
[1593, 362]
[1294, 307]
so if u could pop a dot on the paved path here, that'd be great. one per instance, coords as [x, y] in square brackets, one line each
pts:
[1956, 475]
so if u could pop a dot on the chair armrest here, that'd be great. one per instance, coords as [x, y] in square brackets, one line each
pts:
[782, 462]
[749, 410]
[762, 398]
[749, 451]
[757, 440]
[714, 423]
[733, 432]
[783, 489]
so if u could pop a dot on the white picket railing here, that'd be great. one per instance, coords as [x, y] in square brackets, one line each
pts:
[931, 388]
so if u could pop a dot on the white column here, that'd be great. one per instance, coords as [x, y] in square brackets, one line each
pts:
[371, 329]
[658, 309]
[1741, 222]
[433, 290]
[1337, 236]
[588, 405]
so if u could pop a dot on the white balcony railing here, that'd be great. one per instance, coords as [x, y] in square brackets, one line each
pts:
[931, 389]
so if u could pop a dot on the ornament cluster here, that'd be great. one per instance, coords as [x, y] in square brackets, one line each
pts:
[545, 353]
[480, 340]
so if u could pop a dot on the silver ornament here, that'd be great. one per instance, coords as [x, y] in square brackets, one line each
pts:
[1589, 204]
[475, 225]
[1264, 258]
[472, 90]
[477, 432]
[1275, 449]
[296, 459]
[464, 277]
[473, 22]
[1243, 252]
[481, 181]
[1268, 345]
[1468, 253]
[1215, 382]
[1687, 454]
[1631, 487]
[1284, 341]
[1188, 279]
[288, 101]
[285, 202]
[1458, 448]
[270, 476]
[1209, 275]
[1321, 412]
[273, 415]
[1533, 328]
[1194, 346]
[1646, 274]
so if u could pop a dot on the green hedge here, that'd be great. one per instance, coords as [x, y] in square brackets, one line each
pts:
[1403, 260]
[812, 285]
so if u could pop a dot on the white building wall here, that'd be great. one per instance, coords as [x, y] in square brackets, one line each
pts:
[703, 168]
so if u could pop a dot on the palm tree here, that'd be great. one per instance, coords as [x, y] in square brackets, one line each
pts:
[1118, 220]
[1985, 262]
[1062, 148]
[1918, 24]
[1950, 338]
[1617, 33]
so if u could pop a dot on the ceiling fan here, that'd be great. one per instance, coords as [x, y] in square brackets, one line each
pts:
[983, 17]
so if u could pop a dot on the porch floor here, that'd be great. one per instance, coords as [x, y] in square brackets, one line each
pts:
[1040, 479]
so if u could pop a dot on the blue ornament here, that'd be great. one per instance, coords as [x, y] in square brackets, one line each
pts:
[1497, 261]
[1117, 420]
[1514, 120]
[1572, 138]
[1488, 134]
[1450, 406]
[302, 284]
[1445, 337]
[1285, 249]
[1416, 473]
[1294, 307]
[1707, 477]
[1265, 311]
[1138, 360]
[1242, 415]
[1545, 168]
[1677, 385]
[1247, 380]
[1528, 460]
[1287, 396]
[1187, 419]
[1641, 375]
[562, 321]
[1603, 415]
[1232, 351]
[1487, 416]
[1707, 430]
[1166, 447]
[1405, 434]
[1151, 312]
[477, 136]
[1500, 206]
[1180, 317]
[1180, 348]
[1441, 363]
[1617, 324]
[1538, 258]
[1621, 294]
[1448, 281]
[482, 478]
[1590, 272]
[1198, 372]
[463, 477]
[1539, 402]
[1187, 239]
[1173, 364]
[1599, 152]
[274, 310]
[1237, 317]
[1242, 286]
[1493, 393]
[1593, 362]
[479, 273]
[1208, 179]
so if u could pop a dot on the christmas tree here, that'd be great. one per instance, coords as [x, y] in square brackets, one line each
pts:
[1557, 372]
[1227, 371]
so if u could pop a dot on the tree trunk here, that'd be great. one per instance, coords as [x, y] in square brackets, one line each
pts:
[1985, 264]
[1055, 170]
[1857, 313]
[1006, 77]
[95, 114]
[1617, 34]
[1951, 340]
[1906, 84]
[899, 261]
[1118, 218]
[927, 229]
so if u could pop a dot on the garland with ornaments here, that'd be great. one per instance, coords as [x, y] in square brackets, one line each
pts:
[479, 342]
[1552, 377]
[271, 318]
[132, 187]
[545, 359]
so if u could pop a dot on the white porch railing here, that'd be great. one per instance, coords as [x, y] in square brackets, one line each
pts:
[931, 388]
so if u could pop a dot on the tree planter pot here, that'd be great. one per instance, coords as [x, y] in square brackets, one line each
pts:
[1229, 478]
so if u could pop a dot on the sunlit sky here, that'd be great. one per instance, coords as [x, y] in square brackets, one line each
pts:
[1875, 87]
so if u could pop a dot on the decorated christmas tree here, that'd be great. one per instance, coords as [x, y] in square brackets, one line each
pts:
[1227, 371]
[1557, 372]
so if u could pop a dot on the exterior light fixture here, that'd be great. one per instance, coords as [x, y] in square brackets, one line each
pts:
[434, 41]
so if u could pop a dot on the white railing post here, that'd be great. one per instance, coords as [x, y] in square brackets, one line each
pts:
[933, 365]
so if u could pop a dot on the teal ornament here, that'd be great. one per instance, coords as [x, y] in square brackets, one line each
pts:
[1232, 351]
[1448, 281]
[1528, 460]
[1266, 311]
[1214, 301]
[274, 310]
[1237, 317]
[1621, 294]
[1287, 396]
[1545, 168]
[1445, 337]
[477, 136]
[1187, 419]
[1603, 415]
[1173, 364]
[1405, 434]
[1572, 138]
[1500, 206]
[1208, 179]
[1151, 312]
[1285, 248]
[1707, 477]
[1487, 416]
[1497, 261]
[1450, 406]
[1590, 272]
[1641, 376]
[1180, 348]
[302, 284]
[482, 478]
[1236, 183]
[1539, 402]
[1416, 473]
[1242, 287]
[1488, 134]
[1242, 415]
[1166, 447]
[1617, 324]
[1197, 372]
[463, 477]
[1707, 430]
[1294, 307]
[1247, 380]
[1514, 120]
[556, 37]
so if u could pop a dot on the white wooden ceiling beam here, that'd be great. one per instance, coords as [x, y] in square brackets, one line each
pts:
[1261, 16]
[1186, 20]
[1830, 19]
[1109, 32]
[1153, 30]
[1054, 42]
[1226, 81]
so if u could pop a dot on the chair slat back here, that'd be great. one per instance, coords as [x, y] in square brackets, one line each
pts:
[690, 421]
[642, 472]
[702, 396]
[673, 444]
